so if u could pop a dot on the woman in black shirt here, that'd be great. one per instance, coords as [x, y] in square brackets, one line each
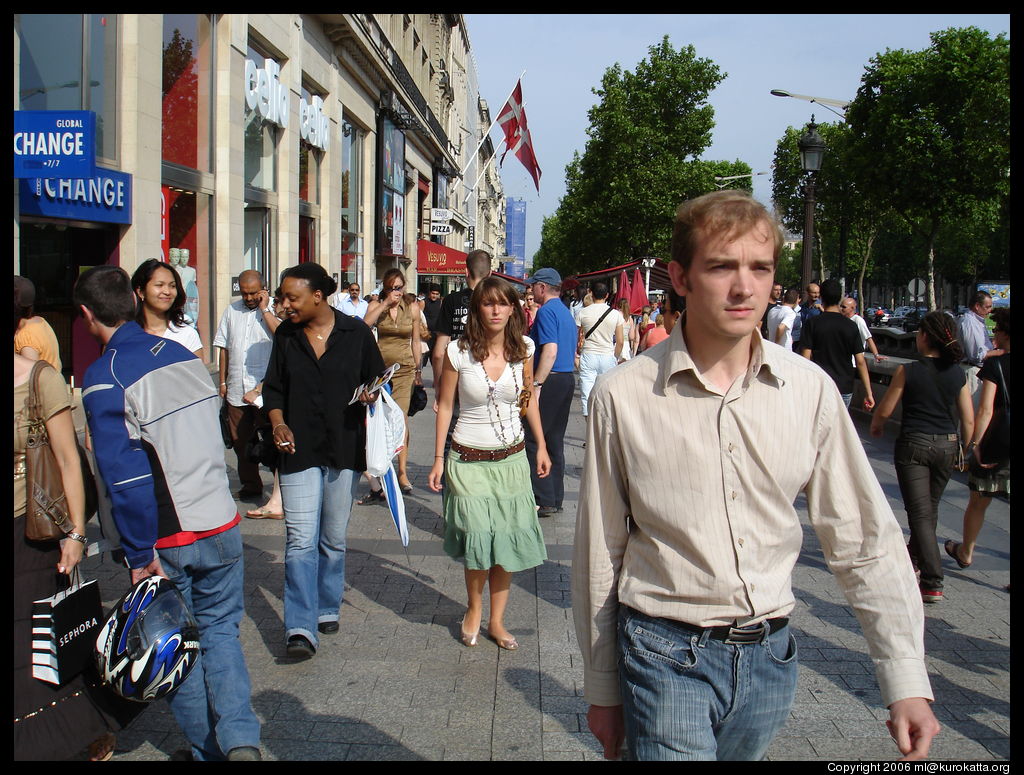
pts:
[928, 444]
[320, 357]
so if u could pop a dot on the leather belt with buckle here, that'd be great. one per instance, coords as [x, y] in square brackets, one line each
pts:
[738, 635]
[473, 455]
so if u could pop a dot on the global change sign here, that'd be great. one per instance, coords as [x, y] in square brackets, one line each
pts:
[54, 143]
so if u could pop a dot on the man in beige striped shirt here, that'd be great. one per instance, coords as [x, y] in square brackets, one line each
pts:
[683, 559]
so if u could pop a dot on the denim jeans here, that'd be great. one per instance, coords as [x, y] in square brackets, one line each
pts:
[317, 505]
[592, 366]
[213, 705]
[555, 403]
[924, 464]
[688, 697]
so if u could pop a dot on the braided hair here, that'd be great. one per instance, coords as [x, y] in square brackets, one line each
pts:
[938, 328]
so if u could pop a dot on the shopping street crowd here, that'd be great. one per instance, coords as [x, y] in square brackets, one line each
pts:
[684, 548]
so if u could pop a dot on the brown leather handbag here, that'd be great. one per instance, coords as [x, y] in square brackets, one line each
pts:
[47, 517]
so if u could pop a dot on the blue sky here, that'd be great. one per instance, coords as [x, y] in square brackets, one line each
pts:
[565, 56]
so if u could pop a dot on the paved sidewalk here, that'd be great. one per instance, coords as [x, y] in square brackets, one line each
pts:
[396, 683]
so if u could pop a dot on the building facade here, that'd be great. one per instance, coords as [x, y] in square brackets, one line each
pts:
[247, 141]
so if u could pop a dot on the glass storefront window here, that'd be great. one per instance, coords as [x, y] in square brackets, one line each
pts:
[351, 195]
[309, 163]
[187, 90]
[55, 76]
[260, 142]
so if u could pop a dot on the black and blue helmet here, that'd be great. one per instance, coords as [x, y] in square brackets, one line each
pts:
[149, 642]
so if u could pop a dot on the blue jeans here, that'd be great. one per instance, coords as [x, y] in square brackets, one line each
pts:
[317, 506]
[688, 697]
[212, 706]
[592, 366]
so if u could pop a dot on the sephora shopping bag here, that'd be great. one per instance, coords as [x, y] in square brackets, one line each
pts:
[64, 628]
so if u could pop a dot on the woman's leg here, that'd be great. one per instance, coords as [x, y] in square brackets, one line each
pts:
[475, 581]
[500, 581]
[974, 518]
[403, 457]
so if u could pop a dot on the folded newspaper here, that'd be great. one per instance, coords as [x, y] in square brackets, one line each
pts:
[376, 384]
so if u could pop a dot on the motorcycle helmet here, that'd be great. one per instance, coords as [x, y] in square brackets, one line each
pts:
[149, 642]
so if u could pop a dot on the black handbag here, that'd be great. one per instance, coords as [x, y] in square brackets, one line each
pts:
[261, 449]
[225, 427]
[418, 399]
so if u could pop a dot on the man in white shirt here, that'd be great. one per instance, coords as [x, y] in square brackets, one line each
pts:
[350, 304]
[600, 340]
[245, 337]
[781, 319]
[849, 309]
[975, 340]
[683, 555]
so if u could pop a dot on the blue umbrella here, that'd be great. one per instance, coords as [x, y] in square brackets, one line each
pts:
[396, 503]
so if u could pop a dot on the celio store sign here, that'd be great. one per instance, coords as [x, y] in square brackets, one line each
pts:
[265, 94]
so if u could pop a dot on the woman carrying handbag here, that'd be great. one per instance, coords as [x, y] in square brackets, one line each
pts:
[50, 722]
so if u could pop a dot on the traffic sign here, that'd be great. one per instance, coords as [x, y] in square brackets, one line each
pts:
[916, 288]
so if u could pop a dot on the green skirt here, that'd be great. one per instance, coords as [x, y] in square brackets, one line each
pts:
[490, 516]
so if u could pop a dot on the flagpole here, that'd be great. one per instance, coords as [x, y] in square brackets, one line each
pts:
[482, 172]
[495, 121]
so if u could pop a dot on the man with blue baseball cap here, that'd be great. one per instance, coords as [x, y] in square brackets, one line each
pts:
[554, 332]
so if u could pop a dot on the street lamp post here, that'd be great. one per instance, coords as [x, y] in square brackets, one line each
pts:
[812, 150]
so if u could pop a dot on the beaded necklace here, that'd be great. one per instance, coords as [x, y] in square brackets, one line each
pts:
[500, 431]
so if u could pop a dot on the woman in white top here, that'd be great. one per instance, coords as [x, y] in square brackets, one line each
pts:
[629, 337]
[161, 307]
[489, 511]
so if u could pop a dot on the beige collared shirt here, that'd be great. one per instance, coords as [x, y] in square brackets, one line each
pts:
[713, 534]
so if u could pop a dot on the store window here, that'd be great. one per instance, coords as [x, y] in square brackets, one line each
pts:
[185, 217]
[187, 90]
[391, 216]
[351, 212]
[69, 62]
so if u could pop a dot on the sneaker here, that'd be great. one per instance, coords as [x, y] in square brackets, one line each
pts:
[546, 511]
[245, 753]
[328, 628]
[299, 647]
[931, 595]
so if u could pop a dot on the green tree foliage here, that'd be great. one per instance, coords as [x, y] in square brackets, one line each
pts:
[640, 162]
[930, 135]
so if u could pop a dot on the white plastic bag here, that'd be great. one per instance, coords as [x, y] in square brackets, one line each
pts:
[385, 433]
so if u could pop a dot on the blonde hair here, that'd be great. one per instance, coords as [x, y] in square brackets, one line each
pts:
[721, 214]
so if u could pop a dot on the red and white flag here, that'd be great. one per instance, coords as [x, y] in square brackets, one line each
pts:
[512, 120]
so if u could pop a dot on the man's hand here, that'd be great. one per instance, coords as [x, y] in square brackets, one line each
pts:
[912, 725]
[153, 569]
[605, 722]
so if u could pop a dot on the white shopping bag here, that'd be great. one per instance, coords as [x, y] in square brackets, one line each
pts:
[385, 433]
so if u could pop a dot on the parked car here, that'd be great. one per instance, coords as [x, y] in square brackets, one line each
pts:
[912, 320]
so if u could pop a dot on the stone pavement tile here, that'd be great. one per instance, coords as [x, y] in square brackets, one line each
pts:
[561, 740]
[563, 756]
[467, 754]
[839, 668]
[853, 750]
[566, 722]
[360, 732]
[862, 728]
[563, 704]
[999, 748]
[391, 753]
[830, 710]
[981, 731]
[791, 749]
[562, 686]
[808, 726]
[287, 729]
[956, 747]
[517, 752]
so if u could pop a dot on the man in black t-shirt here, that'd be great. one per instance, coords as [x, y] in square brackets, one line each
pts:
[451, 321]
[432, 311]
[829, 339]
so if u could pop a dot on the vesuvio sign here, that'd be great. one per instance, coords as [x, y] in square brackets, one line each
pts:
[105, 197]
[432, 258]
[54, 143]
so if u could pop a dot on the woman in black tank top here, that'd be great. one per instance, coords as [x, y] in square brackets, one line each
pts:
[928, 443]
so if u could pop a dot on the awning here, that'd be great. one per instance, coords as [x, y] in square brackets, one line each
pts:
[432, 258]
[660, 281]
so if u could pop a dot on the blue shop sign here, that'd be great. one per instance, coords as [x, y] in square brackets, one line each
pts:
[105, 197]
[54, 143]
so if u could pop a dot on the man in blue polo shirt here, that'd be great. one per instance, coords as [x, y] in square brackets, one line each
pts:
[554, 332]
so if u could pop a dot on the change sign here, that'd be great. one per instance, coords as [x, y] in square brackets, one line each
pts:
[54, 144]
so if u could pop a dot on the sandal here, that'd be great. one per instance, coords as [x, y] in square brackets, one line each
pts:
[102, 748]
[373, 496]
[953, 550]
[263, 512]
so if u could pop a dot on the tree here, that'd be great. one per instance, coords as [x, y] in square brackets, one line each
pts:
[930, 133]
[640, 162]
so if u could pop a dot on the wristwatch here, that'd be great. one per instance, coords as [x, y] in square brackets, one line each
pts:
[78, 537]
[538, 384]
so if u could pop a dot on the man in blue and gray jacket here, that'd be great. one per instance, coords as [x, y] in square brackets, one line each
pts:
[152, 412]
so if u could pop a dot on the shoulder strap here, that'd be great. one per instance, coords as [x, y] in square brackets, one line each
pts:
[34, 402]
[600, 320]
